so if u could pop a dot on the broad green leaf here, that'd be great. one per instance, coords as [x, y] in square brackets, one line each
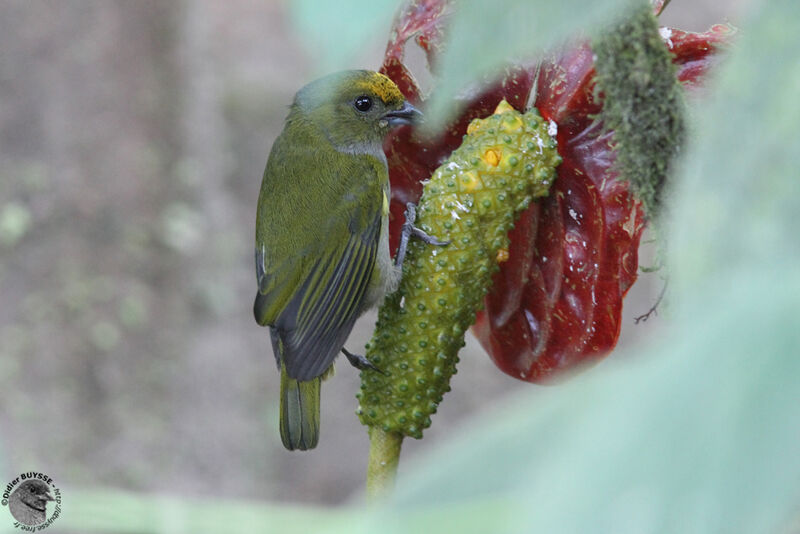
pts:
[697, 435]
[739, 198]
[336, 34]
[484, 36]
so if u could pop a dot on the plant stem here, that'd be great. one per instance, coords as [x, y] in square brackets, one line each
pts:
[384, 455]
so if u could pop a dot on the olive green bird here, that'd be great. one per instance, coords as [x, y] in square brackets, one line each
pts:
[322, 241]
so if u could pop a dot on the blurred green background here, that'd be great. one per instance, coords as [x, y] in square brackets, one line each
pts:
[133, 136]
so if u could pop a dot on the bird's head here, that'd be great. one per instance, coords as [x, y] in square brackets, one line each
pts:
[355, 109]
[34, 494]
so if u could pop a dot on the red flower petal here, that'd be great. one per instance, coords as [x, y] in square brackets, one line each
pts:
[557, 301]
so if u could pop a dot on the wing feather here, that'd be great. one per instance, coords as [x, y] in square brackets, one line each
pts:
[316, 322]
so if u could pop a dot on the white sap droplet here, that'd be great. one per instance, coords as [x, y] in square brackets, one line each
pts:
[552, 129]
[666, 35]
[461, 207]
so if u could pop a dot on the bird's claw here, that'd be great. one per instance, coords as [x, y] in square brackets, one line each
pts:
[409, 230]
[360, 362]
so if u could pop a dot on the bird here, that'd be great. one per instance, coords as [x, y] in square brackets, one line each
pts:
[322, 234]
[28, 503]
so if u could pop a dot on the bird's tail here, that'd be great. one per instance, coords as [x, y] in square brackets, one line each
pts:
[299, 412]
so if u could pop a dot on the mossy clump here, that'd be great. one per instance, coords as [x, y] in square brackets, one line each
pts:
[642, 103]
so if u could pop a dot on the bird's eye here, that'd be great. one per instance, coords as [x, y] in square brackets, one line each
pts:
[32, 489]
[363, 103]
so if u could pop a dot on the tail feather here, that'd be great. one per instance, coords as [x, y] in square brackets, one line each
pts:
[299, 412]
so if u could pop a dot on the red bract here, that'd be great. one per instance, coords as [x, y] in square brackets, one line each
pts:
[557, 301]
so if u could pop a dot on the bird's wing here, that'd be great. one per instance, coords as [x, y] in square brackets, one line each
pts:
[316, 321]
[313, 279]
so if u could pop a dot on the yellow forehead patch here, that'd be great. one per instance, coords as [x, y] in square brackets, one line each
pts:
[383, 87]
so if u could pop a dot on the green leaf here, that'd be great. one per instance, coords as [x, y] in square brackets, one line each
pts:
[739, 197]
[484, 36]
[336, 34]
[698, 435]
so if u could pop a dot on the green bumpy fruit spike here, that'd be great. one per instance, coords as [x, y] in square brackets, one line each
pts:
[504, 162]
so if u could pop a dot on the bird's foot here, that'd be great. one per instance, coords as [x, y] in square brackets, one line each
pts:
[360, 362]
[410, 230]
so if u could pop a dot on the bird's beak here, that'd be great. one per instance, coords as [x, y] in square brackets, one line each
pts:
[408, 114]
[47, 496]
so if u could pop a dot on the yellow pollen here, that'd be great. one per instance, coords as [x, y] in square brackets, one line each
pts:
[502, 255]
[503, 107]
[474, 126]
[492, 156]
